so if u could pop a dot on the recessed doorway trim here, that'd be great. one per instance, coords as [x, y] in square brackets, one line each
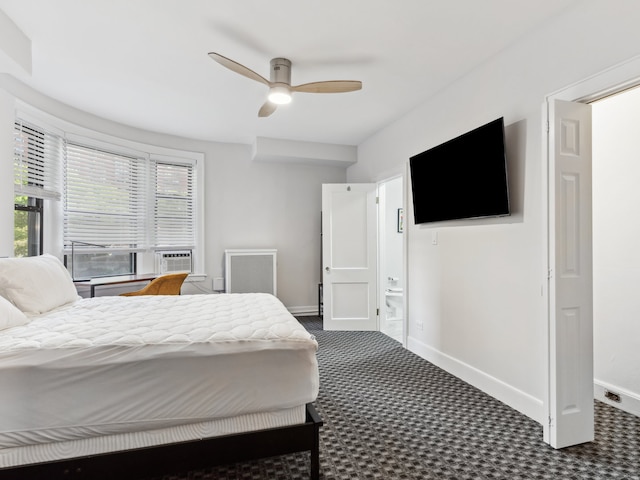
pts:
[608, 82]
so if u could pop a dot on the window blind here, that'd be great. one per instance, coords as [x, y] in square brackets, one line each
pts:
[174, 216]
[104, 198]
[36, 161]
[119, 200]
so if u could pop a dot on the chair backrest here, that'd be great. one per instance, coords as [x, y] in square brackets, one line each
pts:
[169, 284]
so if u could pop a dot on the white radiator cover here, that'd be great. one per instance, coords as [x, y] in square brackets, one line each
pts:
[250, 271]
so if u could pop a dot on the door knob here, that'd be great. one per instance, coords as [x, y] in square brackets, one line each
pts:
[327, 269]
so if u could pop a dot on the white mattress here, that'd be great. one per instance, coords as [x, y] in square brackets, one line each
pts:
[112, 365]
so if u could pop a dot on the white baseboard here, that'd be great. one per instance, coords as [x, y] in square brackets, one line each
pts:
[303, 311]
[516, 399]
[629, 401]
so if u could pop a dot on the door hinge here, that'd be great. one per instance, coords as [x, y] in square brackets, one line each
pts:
[377, 312]
[377, 200]
[549, 274]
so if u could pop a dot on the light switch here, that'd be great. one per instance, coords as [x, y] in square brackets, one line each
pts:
[434, 237]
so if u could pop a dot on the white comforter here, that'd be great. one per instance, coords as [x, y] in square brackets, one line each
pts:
[147, 326]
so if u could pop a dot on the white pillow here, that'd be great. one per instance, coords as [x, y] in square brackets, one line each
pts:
[36, 284]
[10, 316]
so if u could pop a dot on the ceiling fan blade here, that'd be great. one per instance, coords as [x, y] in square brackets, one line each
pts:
[329, 86]
[238, 68]
[267, 109]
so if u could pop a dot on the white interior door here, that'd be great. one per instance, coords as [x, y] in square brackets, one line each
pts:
[349, 253]
[570, 276]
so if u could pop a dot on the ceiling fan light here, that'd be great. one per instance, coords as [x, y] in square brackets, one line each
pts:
[279, 95]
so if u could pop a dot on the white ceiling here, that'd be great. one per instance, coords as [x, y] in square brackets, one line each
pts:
[144, 63]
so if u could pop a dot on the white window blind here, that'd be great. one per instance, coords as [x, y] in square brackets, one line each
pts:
[105, 198]
[37, 161]
[174, 216]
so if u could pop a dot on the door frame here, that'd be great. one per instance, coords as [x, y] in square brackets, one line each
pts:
[608, 82]
[381, 296]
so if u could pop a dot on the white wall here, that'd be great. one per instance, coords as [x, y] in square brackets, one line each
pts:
[268, 205]
[247, 204]
[616, 256]
[478, 293]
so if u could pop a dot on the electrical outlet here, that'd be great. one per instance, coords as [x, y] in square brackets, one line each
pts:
[218, 284]
[614, 397]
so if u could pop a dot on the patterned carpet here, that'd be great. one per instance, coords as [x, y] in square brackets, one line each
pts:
[388, 414]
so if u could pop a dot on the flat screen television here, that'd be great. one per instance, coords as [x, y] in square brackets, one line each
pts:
[465, 177]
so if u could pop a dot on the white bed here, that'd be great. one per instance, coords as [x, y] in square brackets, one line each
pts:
[119, 373]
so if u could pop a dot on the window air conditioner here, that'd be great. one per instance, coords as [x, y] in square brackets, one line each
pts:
[173, 262]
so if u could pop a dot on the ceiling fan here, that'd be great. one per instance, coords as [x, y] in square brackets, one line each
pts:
[280, 88]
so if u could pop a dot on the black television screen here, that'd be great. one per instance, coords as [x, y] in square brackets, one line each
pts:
[465, 177]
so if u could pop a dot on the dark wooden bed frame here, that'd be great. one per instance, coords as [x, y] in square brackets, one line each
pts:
[182, 456]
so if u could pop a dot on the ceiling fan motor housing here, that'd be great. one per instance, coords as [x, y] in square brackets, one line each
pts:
[281, 71]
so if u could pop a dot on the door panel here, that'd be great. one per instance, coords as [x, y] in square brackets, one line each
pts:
[570, 276]
[349, 252]
[349, 230]
[350, 300]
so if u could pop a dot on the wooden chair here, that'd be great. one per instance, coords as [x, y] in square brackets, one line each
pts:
[169, 284]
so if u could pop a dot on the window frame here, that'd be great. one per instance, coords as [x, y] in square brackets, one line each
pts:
[111, 174]
[191, 201]
[39, 209]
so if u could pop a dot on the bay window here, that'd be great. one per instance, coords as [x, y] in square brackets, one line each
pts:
[119, 204]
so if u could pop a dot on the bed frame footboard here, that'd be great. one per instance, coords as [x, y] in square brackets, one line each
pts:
[183, 456]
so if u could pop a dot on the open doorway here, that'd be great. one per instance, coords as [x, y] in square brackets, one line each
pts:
[616, 262]
[391, 264]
